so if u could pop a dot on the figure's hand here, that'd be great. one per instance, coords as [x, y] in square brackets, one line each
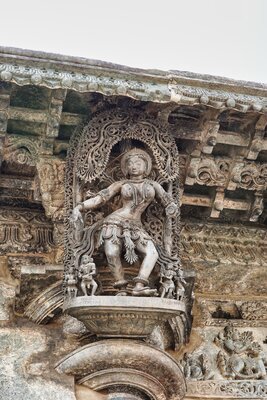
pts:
[171, 209]
[76, 215]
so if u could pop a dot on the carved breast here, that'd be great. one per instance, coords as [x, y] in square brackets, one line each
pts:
[138, 192]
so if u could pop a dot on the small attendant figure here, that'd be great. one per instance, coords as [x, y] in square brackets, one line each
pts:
[180, 284]
[167, 276]
[86, 271]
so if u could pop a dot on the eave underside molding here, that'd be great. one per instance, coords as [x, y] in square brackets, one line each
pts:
[25, 67]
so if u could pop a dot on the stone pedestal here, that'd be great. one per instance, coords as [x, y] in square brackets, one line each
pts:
[123, 316]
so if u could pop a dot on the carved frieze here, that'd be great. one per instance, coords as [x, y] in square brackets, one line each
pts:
[223, 243]
[227, 172]
[254, 310]
[241, 357]
[227, 389]
[24, 231]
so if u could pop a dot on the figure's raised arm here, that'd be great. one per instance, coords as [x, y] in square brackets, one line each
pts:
[171, 208]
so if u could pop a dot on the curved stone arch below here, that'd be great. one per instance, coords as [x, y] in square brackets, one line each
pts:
[44, 307]
[107, 364]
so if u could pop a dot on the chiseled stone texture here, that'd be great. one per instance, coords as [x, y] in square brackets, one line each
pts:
[7, 296]
[25, 366]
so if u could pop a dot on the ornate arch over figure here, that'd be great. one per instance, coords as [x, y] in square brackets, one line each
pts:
[110, 127]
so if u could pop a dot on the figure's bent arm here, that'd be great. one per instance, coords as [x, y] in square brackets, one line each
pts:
[166, 200]
[101, 198]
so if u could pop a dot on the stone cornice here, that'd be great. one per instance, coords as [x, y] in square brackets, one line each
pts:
[25, 67]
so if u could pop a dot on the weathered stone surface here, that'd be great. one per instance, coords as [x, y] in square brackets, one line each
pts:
[7, 299]
[25, 371]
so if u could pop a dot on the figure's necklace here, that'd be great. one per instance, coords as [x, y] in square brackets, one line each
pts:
[136, 180]
[135, 191]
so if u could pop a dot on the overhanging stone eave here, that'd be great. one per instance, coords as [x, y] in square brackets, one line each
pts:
[25, 67]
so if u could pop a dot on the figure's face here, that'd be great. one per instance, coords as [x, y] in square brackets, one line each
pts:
[86, 258]
[136, 166]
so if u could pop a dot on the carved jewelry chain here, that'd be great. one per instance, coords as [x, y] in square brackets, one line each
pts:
[135, 193]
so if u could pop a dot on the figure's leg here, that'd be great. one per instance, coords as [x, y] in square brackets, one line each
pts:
[83, 287]
[149, 261]
[113, 254]
[94, 287]
[150, 258]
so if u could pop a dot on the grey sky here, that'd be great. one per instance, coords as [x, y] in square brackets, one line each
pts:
[217, 37]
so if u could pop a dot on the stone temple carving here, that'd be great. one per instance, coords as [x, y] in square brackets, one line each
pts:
[122, 230]
[242, 357]
[197, 367]
[220, 128]
[119, 208]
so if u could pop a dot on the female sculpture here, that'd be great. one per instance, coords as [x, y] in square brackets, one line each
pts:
[123, 227]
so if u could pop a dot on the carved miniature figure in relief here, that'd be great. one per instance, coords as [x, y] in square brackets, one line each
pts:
[167, 276]
[172, 283]
[197, 367]
[180, 284]
[242, 358]
[87, 270]
[122, 230]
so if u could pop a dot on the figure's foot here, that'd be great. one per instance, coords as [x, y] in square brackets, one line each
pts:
[144, 291]
[122, 293]
[120, 284]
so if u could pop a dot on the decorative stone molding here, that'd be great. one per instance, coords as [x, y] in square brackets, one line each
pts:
[227, 389]
[238, 313]
[43, 308]
[82, 75]
[22, 150]
[254, 310]
[24, 231]
[222, 243]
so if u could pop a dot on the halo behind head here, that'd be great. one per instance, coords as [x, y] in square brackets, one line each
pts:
[136, 153]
